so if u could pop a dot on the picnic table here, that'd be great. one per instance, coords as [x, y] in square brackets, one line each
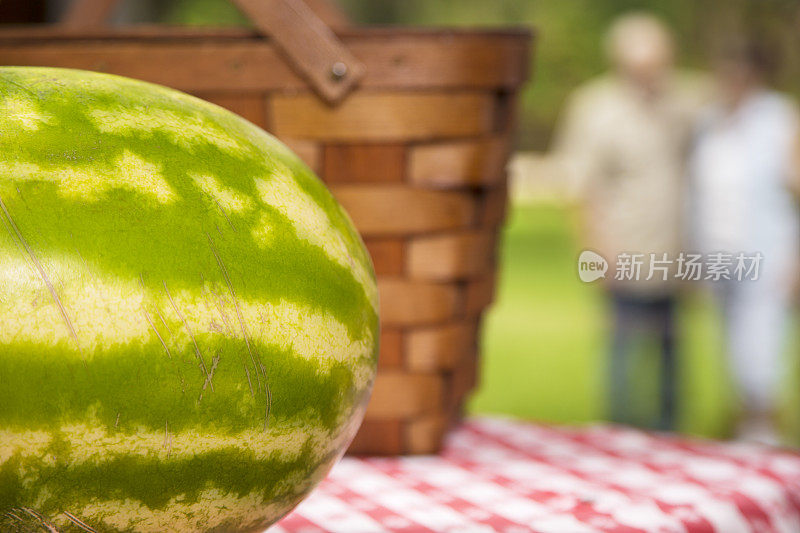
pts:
[514, 477]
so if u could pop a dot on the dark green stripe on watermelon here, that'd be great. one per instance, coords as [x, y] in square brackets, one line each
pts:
[44, 386]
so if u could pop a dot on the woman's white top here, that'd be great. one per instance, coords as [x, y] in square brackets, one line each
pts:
[740, 168]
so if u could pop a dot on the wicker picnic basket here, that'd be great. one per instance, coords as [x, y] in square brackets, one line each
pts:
[410, 129]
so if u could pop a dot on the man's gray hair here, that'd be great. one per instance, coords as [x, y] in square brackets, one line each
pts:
[633, 30]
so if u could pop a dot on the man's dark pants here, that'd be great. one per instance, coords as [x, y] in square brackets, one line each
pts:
[638, 317]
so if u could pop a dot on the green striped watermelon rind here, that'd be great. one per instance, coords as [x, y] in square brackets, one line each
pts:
[190, 327]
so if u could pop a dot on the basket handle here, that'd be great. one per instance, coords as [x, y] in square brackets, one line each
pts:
[299, 32]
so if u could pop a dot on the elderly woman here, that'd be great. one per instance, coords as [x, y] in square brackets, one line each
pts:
[744, 169]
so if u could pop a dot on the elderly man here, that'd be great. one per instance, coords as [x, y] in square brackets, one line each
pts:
[623, 141]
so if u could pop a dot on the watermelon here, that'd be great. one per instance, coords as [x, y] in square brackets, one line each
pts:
[188, 319]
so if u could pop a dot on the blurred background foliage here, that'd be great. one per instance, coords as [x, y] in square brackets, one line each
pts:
[569, 35]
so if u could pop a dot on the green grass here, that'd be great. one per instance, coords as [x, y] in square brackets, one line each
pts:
[544, 341]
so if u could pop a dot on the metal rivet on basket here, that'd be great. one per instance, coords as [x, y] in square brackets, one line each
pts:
[338, 71]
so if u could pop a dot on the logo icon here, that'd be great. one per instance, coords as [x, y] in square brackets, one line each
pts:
[591, 266]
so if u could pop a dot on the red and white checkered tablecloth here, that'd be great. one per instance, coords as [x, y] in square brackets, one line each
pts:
[513, 477]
